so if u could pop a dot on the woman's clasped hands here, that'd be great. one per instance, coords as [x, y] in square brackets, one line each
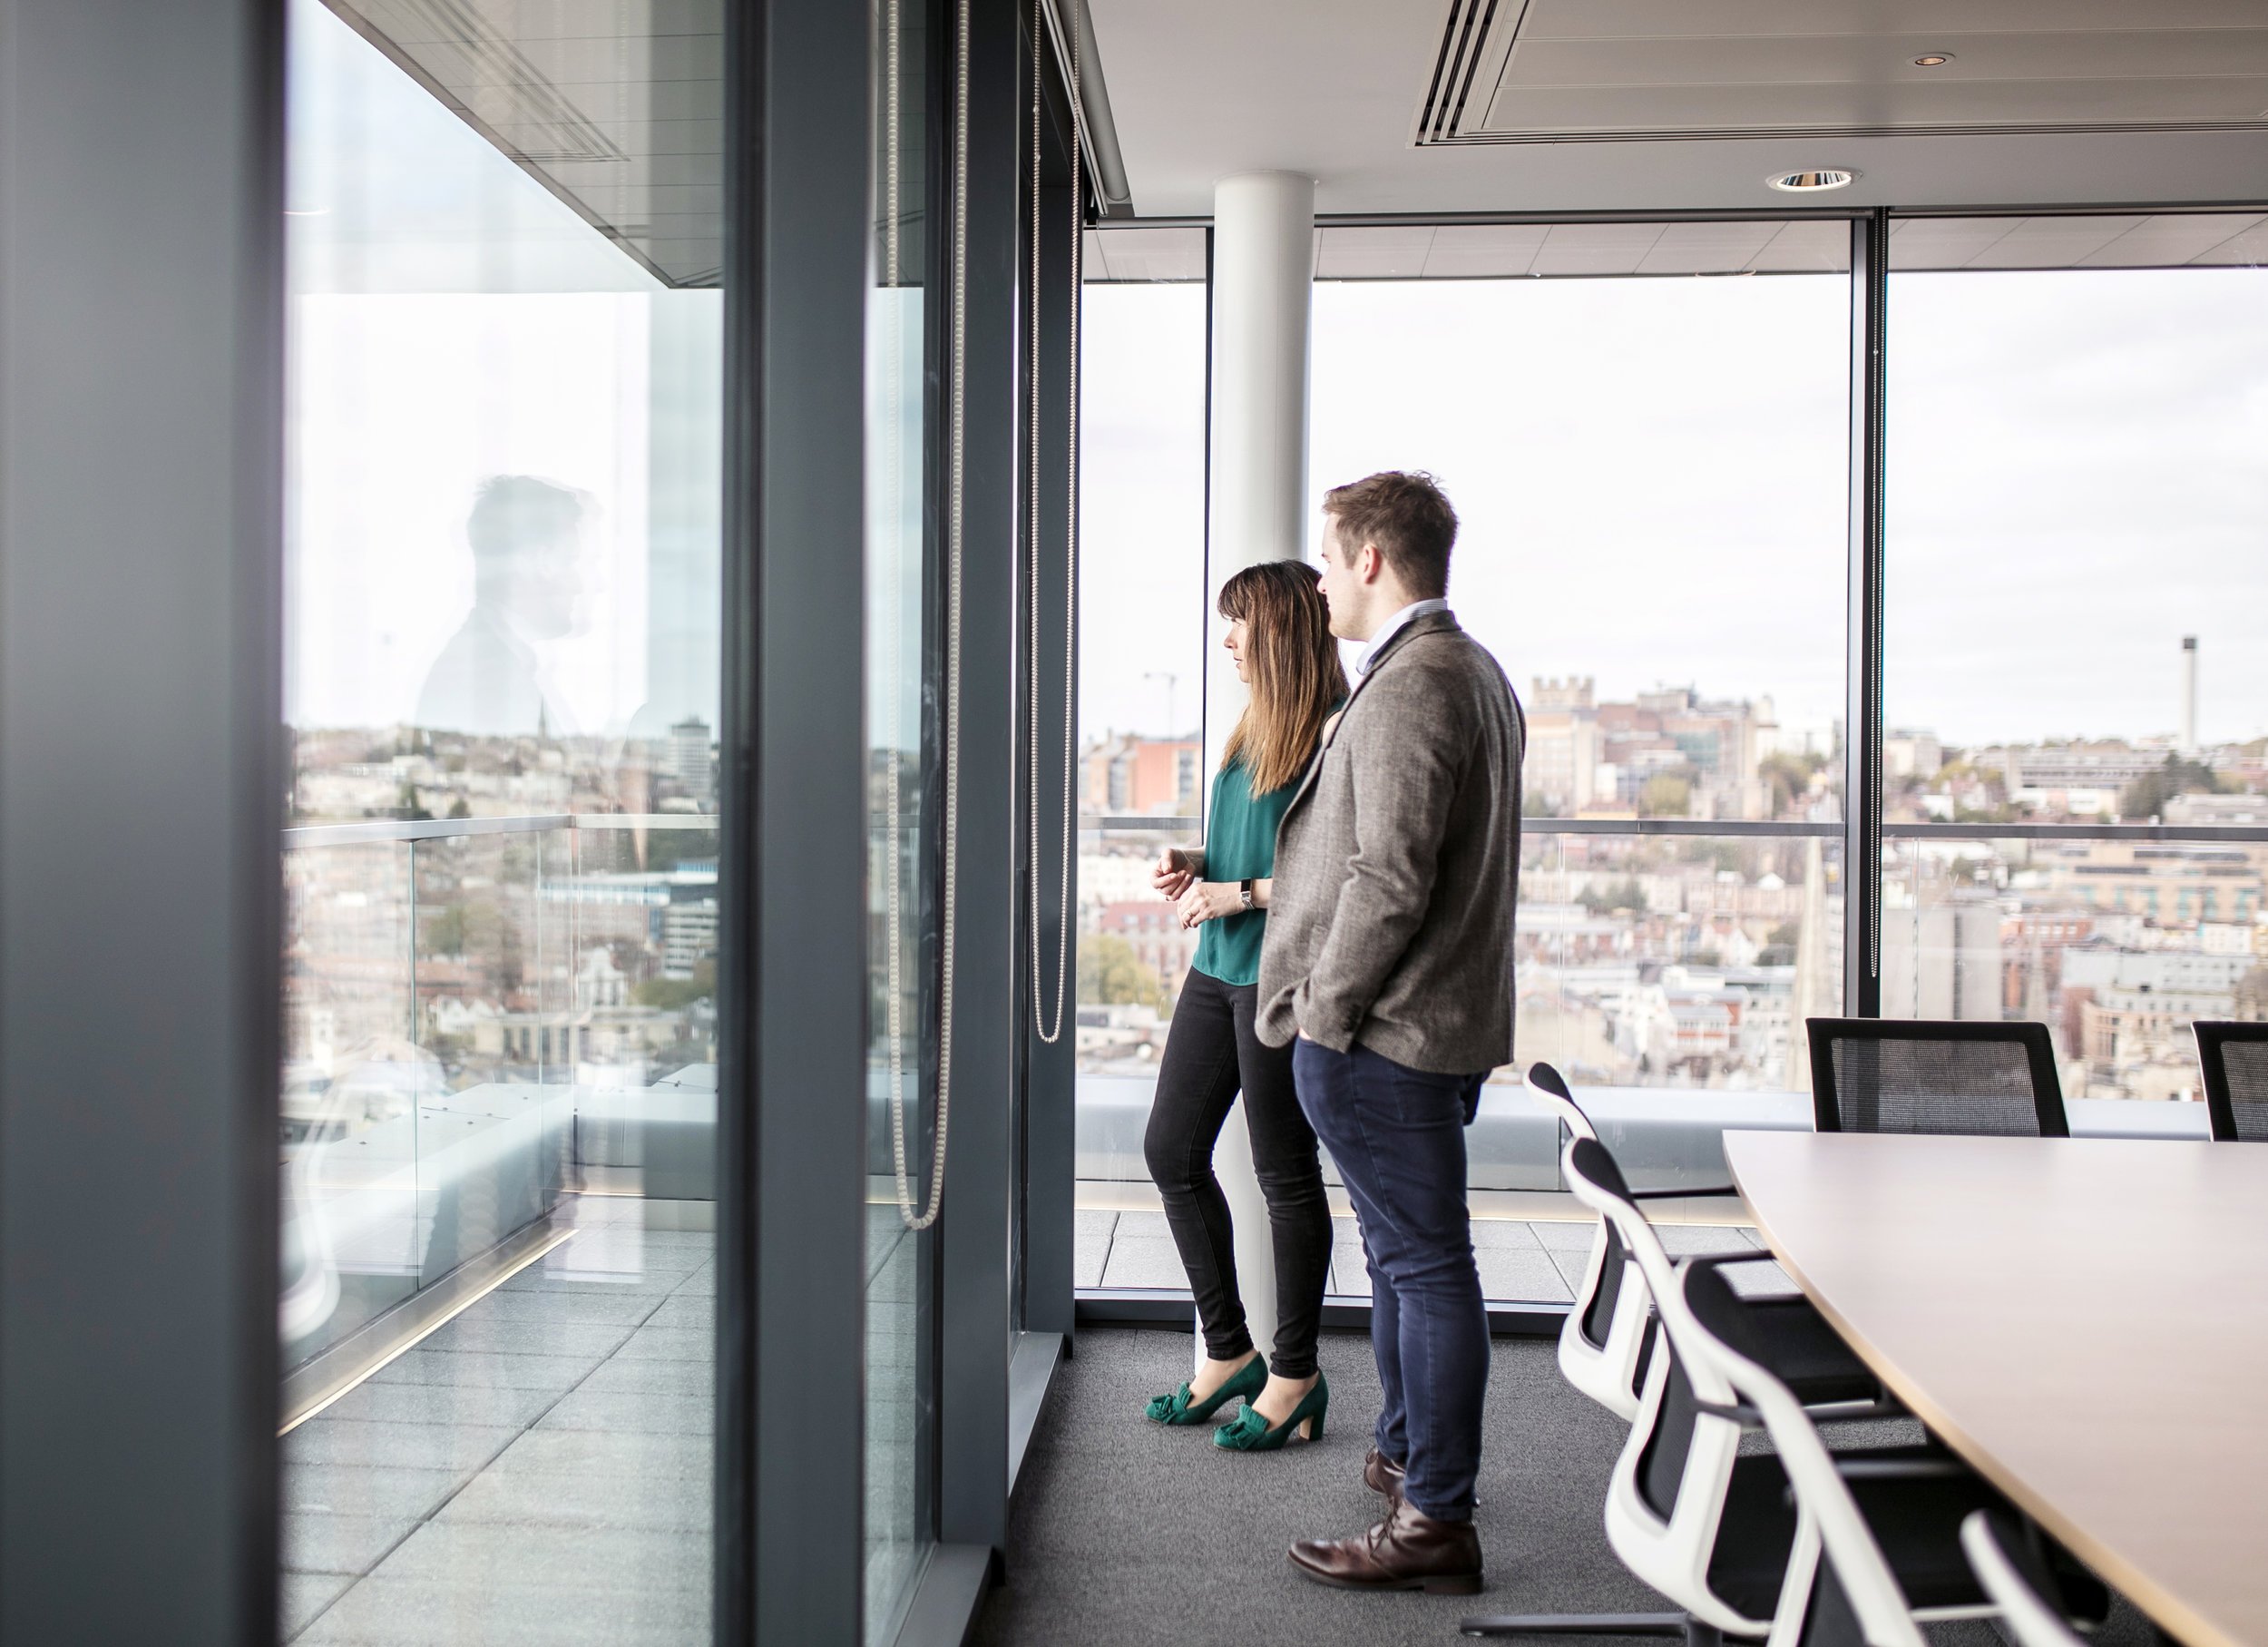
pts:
[1208, 901]
[1195, 901]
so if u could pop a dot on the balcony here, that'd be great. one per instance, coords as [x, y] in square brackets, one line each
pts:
[499, 1147]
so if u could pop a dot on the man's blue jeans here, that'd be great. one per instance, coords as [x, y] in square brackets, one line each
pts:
[1398, 1135]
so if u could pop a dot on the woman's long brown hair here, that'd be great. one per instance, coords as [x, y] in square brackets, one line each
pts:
[1294, 666]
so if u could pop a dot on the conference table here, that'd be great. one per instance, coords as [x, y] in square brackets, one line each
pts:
[2083, 1321]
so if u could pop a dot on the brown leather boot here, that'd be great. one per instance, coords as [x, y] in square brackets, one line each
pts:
[1382, 1474]
[1407, 1551]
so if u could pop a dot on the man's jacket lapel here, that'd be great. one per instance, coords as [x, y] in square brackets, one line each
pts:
[1432, 623]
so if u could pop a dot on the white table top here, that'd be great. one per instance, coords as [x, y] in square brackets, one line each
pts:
[2084, 1321]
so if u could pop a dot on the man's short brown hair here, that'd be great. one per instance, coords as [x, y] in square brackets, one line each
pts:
[1407, 518]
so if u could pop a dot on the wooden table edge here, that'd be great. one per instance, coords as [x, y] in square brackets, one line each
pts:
[2165, 1609]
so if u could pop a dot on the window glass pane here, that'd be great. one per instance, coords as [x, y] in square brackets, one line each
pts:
[1651, 479]
[2076, 627]
[1141, 685]
[502, 618]
[902, 755]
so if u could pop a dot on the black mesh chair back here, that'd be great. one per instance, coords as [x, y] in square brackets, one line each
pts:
[2234, 1059]
[1916, 1075]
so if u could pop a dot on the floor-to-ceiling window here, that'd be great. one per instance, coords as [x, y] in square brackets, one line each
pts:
[1140, 779]
[1645, 428]
[903, 632]
[2076, 683]
[501, 677]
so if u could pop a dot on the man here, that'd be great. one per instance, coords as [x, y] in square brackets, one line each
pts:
[494, 677]
[1389, 956]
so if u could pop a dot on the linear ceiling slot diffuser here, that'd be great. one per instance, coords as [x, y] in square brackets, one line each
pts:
[1575, 70]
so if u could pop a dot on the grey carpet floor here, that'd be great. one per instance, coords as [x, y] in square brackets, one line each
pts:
[1123, 1532]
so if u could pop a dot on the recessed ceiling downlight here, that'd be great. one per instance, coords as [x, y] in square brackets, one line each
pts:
[1932, 60]
[1810, 182]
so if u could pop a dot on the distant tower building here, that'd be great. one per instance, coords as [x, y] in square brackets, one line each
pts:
[687, 762]
[688, 936]
[2189, 694]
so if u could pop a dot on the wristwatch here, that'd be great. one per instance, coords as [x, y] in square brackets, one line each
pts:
[1244, 890]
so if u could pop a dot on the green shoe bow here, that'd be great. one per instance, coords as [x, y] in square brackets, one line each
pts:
[1248, 1432]
[1182, 1407]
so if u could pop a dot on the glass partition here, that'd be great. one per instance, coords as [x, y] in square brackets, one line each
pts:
[502, 616]
[2077, 635]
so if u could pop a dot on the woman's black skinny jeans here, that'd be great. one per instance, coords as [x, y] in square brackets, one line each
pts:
[1211, 1052]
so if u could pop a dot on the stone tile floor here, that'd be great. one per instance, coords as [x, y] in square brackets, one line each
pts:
[1538, 1263]
[537, 1470]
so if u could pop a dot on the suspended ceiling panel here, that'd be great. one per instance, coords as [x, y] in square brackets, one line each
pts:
[2168, 240]
[1125, 256]
[1641, 105]
[1504, 251]
[1561, 71]
[617, 106]
[1575, 250]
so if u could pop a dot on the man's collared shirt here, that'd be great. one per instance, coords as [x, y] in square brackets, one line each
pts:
[1394, 626]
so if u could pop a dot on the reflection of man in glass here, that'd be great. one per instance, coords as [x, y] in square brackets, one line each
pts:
[493, 677]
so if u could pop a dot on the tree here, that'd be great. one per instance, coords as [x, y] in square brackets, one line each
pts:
[2146, 796]
[1666, 795]
[675, 995]
[460, 807]
[1111, 975]
[445, 930]
[1624, 894]
[1789, 777]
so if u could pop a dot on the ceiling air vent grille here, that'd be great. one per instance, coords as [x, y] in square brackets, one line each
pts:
[1457, 66]
[1653, 70]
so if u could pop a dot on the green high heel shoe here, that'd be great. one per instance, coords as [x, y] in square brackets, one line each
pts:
[1248, 1432]
[1181, 1407]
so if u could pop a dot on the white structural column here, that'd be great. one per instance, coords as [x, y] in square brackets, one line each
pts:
[1264, 234]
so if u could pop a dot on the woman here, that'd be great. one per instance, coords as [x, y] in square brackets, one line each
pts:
[1279, 633]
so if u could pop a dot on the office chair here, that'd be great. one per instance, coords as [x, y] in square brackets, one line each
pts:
[1704, 1527]
[2008, 1564]
[2234, 1059]
[1602, 1339]
[1875, 1547]
[1916, 1075]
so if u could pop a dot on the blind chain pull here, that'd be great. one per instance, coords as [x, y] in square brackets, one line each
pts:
[957, 437]
[1049, 1024]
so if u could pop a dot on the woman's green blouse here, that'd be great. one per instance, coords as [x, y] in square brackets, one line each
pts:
[1240, 846]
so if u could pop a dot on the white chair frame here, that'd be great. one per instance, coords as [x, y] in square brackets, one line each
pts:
[1672, 1555]
[1607, 1372]
[1827, 1517]
[2026, 1618]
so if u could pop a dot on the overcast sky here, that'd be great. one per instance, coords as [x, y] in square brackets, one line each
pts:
[1652, 478]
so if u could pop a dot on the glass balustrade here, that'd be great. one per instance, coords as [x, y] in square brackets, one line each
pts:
[483, 1016]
